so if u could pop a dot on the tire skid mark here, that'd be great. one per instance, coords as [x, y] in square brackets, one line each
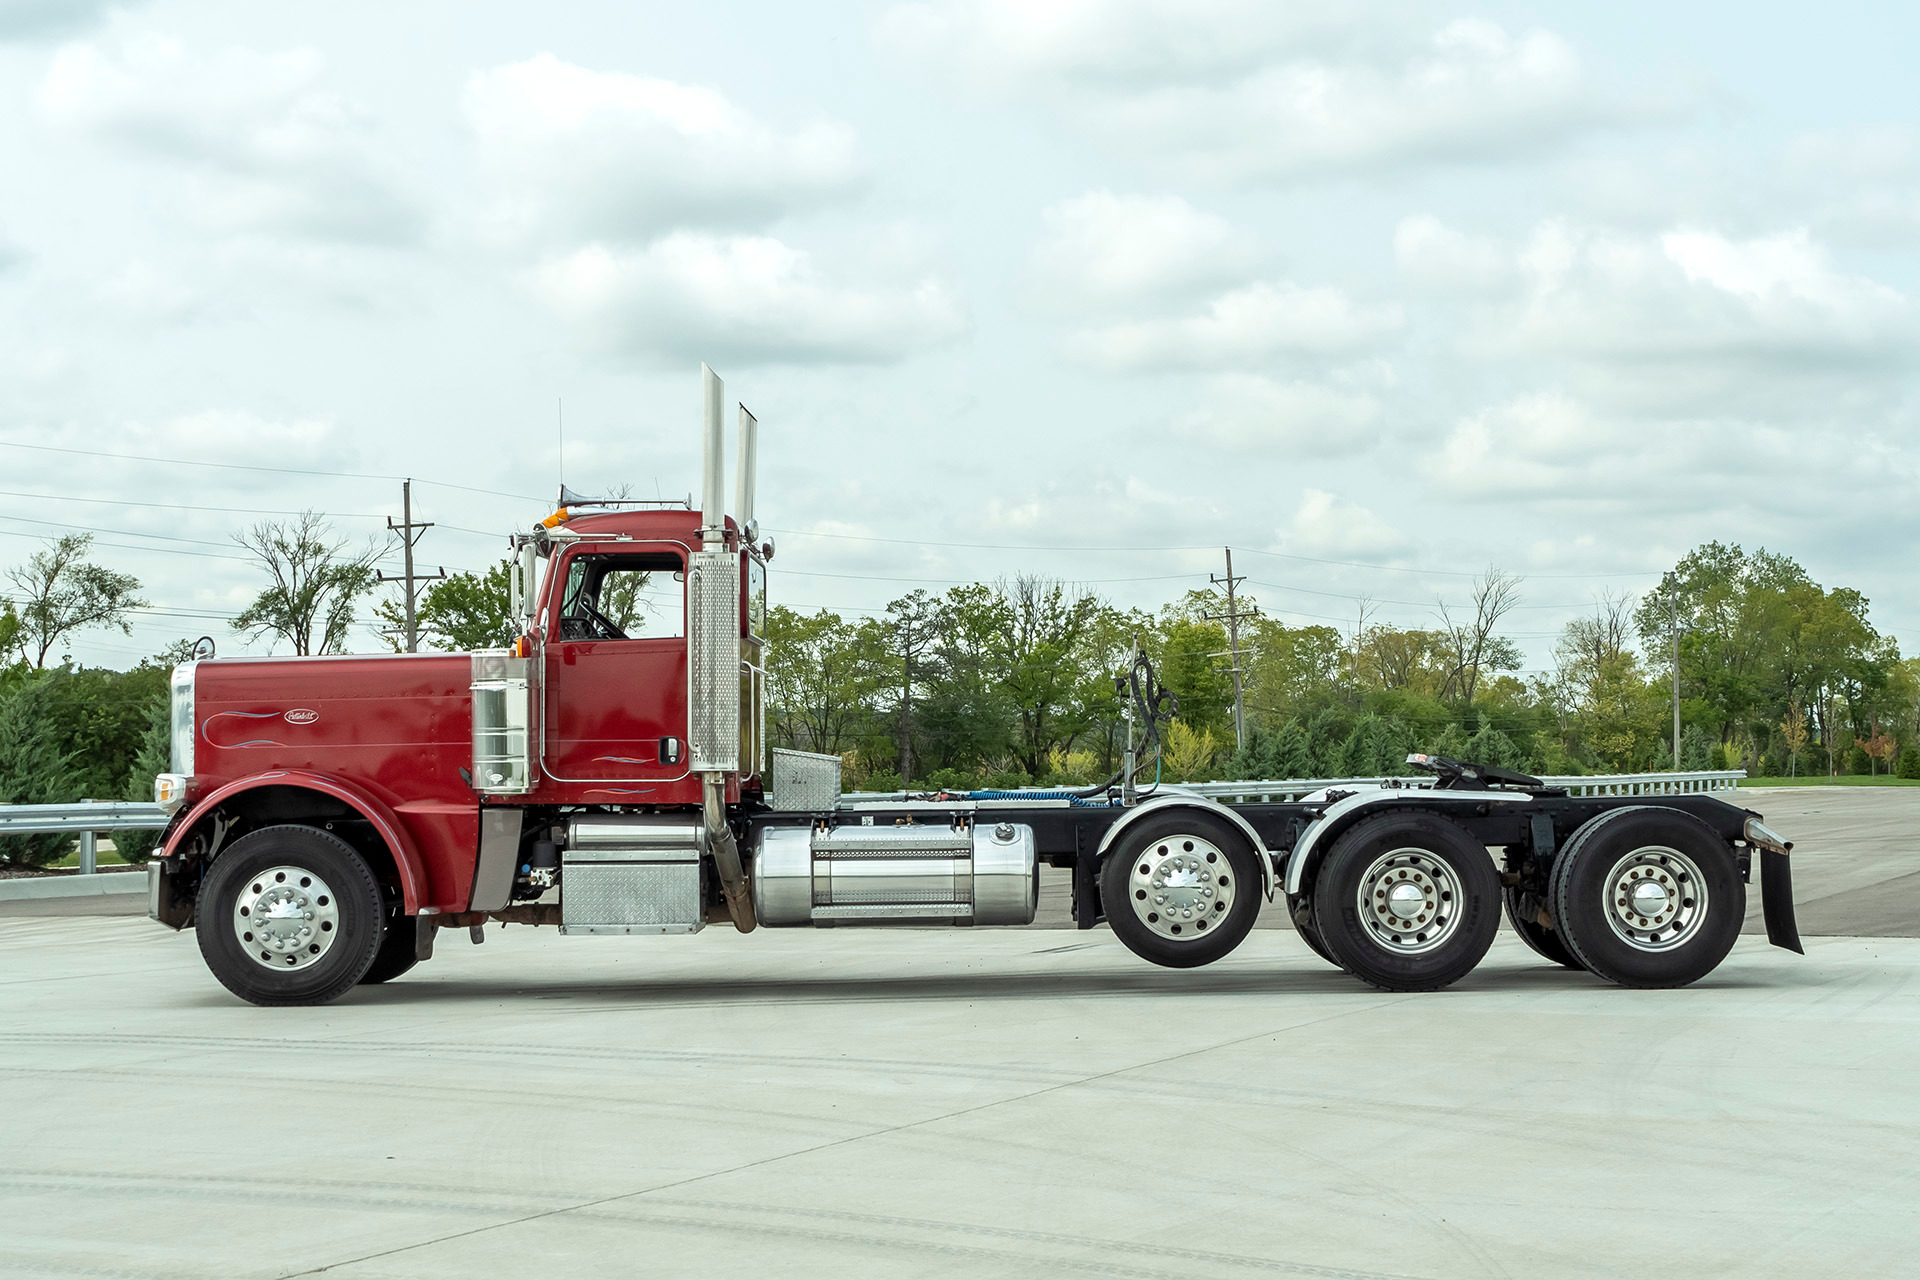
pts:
[698, 1058]
[1061, 1239]
[1024, 1259]
[513, 1093]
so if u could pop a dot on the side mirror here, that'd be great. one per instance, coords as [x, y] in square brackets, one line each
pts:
[525, 580]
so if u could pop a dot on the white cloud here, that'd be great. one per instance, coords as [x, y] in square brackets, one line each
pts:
[1261, 91]
[1534, 444]
[1252, 325]
[747, 299]
[1105, 42]
[22, 20]
[1327, 525]
[1436, 257]
[614, 156]
[259, 139]
[1697, 293]
[1254, 414]
[1101, 249]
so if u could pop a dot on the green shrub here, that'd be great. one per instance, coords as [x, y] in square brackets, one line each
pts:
[33, 769]
[153, 757]
[949, 780]
[1909, 765]
[885, 780]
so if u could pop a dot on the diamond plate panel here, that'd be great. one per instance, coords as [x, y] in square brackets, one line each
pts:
[631, 897]
[713, 661]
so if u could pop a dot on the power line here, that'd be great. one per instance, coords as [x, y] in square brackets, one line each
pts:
[244, 466]
[1280, 555]
[177, 506]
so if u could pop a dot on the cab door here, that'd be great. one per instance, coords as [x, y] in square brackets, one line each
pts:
[616, 670]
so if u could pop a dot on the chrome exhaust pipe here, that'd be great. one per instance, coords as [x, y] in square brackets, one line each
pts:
[747, 464]
[713, 462]
[726, 855]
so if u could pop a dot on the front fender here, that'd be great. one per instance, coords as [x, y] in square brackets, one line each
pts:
[406, 855]
[1160, 803]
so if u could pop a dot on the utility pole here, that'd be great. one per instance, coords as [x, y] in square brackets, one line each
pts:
[1673, 630]
[408, 538]
[1232, 618]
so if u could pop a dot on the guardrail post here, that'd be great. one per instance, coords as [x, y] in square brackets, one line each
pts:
[89, 850]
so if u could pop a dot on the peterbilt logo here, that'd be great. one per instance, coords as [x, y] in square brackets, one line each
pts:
[302, 715]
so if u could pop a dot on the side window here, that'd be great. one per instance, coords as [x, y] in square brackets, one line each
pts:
[624, 597]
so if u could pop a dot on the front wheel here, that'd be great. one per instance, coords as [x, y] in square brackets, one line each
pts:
[1181, 888]
[289, 915]
[1648, 897]
[1407, 901]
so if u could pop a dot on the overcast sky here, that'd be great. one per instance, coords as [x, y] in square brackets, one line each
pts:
[1565, 289]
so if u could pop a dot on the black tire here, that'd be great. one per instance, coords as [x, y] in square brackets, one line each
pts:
[1450, 873]
[399, 949]
[346, 920]
[1300, 911]
[1225, 869]
[1588, 889]
[1523, 913]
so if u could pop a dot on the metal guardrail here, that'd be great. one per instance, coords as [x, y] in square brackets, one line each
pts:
[1282, 790]
[86, 820]
[1607, 784]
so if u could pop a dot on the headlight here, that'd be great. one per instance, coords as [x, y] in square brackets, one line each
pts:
[182, 761]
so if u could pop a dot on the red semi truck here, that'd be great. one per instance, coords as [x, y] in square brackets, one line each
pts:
[611, 776]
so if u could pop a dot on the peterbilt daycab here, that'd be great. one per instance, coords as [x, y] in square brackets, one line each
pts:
[609, 774]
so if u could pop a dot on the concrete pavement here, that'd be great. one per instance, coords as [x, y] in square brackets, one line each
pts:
[949, 1103]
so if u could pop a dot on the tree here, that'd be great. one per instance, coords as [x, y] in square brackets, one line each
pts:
[1793, 731]
[913, 623]
[467, 611]
[1470, 645]
[1041, 652]
[315, 583]
[1188, 752]
[822, 675]
[153, 757]
[1879, 746]
[33, 768]
[60, 592]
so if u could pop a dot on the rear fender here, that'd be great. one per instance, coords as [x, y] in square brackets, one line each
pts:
[1325, 829]
[400, 845]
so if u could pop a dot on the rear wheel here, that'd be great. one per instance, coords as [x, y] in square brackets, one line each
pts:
[289, 915]
[1407, 901]
[1523, 913]
[1648, 897]
[1300, 911]
[1181, 888]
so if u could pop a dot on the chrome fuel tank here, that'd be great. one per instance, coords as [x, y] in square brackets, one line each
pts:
[972, 873]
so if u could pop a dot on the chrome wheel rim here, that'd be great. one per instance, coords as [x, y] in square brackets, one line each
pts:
[1656, 898]
[1182, 887]
[1409, 901]
[286, 919]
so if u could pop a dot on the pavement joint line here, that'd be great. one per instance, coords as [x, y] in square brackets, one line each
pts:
[841, 1142]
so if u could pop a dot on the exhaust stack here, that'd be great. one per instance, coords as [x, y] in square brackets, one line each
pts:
[748, 465]
[713, 478]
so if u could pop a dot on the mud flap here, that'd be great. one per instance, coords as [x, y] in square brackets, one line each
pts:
[1776, 900]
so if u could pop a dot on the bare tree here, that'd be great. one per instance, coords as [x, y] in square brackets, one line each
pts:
[315, 583]
[61, 592]
[1588, 645]
[913, 624]
[1471, 646]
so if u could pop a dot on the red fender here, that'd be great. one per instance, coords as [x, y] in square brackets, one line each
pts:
[406, 855]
